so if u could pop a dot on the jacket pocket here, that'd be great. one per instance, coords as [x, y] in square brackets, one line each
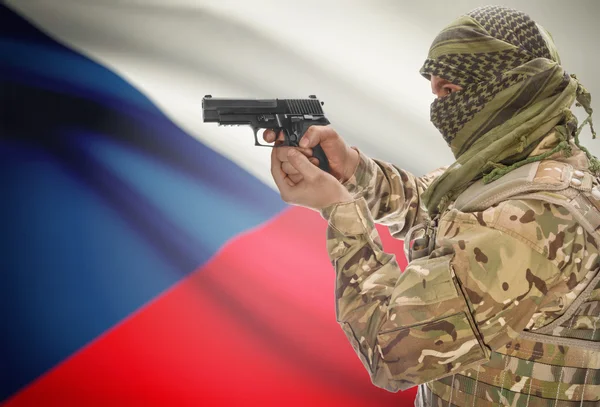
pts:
[429, 332]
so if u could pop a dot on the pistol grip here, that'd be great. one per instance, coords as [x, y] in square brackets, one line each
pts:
[299, 129]
[320, 155]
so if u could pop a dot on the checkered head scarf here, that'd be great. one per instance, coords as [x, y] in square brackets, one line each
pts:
[514, 92]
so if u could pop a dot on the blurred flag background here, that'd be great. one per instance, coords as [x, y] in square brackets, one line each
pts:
[147, 259]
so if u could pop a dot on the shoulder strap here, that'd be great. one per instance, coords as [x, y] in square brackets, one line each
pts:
[537, 176]
[551, 181]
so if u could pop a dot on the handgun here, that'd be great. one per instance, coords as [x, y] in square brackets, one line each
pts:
[292, 116]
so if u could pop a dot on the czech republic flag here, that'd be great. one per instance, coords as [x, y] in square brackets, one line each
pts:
[140, 265]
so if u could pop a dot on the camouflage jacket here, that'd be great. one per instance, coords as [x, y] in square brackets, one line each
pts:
[493, 274]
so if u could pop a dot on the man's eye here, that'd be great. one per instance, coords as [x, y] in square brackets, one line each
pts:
[448, 90]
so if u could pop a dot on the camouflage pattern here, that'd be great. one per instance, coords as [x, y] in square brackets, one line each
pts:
[395, 204]
[452, 321]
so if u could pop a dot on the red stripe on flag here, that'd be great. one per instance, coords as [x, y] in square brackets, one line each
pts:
[254, 325]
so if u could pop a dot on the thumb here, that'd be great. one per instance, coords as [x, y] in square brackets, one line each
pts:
[313, 136]
[301, 163]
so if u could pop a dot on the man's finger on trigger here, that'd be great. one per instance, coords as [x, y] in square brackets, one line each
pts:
[269, 135]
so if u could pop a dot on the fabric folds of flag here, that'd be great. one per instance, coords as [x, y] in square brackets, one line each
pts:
[139, 266]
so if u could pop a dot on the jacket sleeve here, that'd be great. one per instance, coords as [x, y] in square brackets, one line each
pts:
[445, 312]
[392, 195]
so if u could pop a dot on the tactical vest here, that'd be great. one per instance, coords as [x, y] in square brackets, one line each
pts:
[558, 364]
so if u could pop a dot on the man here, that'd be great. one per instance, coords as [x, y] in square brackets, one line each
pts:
[500, 303]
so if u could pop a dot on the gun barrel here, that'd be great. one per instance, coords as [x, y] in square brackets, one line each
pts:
[215, 108]
[224, 103]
